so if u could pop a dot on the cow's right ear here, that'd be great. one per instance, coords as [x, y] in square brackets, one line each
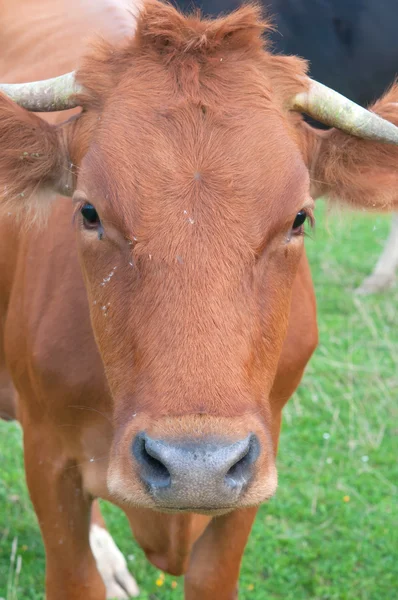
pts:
[355, 171]
[34, 161]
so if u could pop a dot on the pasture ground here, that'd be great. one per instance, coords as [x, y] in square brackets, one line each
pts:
[331, 532]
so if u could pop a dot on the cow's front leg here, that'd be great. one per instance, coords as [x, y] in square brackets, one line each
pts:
[216, 557]
[63, 512]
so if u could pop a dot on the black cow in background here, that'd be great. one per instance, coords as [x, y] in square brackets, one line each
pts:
[352, 46]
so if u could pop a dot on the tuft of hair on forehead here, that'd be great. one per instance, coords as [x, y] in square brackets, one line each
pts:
[162, 28]
[186, 43]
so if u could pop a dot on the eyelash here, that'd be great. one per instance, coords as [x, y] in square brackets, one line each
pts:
[77, 211]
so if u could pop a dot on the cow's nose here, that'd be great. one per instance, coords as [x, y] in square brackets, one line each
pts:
[202, 474]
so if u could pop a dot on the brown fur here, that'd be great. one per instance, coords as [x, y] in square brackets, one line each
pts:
[32, 158]
[194, 316]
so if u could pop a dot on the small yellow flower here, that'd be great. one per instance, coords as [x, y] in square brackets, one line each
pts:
[159, 582]
[24, 548]
[346, 498]
[174, 584]
[250, 587]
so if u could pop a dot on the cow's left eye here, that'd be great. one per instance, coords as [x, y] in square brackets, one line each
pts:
[299, 221]
[91, 219]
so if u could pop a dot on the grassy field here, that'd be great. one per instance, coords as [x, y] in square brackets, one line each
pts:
[331, 532]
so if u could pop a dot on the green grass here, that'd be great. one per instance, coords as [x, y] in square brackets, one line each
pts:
[331, 532]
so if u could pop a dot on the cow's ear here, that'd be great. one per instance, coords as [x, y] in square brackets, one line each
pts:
[358, 172]
[34, 162]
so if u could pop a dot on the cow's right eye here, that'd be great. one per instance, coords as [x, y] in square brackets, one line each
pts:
[91, 219]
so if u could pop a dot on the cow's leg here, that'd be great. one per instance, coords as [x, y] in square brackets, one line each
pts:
[216, 557]
[7, 397]
[7, 391]
[63, 511]
[110, 561]
[384, 271]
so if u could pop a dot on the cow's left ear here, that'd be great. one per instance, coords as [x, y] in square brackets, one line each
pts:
[34, 161]
[348, 169]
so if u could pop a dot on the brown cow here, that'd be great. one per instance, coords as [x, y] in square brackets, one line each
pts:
[154, 344]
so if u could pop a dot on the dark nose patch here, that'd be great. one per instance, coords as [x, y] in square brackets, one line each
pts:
[207, 474]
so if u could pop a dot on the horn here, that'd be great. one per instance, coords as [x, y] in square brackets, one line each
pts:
[333, 109]
[45, 96]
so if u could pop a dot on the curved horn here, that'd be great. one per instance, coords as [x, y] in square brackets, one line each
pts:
[45, 96]
[333, 109]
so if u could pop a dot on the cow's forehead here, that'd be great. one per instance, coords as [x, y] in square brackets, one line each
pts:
[153, 162]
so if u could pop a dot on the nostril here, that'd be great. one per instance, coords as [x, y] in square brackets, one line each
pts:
[153, 471]
[240, 472]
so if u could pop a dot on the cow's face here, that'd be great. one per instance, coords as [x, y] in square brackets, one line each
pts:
[190, 206]
[189, 247]
[190, 202]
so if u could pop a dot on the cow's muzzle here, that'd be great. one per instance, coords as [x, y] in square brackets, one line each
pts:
[201, 474]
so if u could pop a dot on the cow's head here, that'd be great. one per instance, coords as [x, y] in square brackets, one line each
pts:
[191, 178]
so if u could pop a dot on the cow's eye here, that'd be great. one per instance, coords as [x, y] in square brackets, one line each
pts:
[299, 221]
[91, 219]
